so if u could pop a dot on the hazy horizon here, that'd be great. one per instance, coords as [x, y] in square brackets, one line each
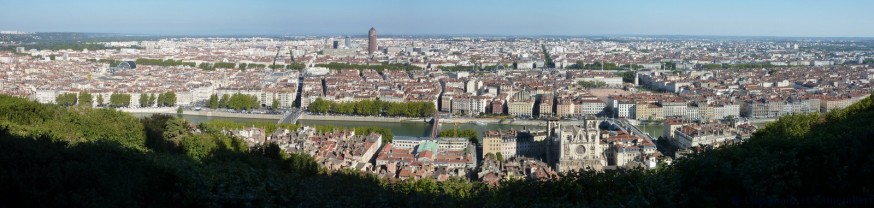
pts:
[745, 18]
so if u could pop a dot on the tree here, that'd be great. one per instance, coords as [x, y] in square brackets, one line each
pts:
[223, 102]
[100, 100]
[213, 101]
[319, 106]
[628, 76]
[176, 129]
[547, 59]
[66, 99]
[592, 84]
[209, 168]
[275, 105]
[117, 100]
[470, 134]
[499, 156]
[144, 100]
[85, 99]
[490, 156]
[152, 100]
[240, 101]
[167, 99]
[206, 66]
[160, 100]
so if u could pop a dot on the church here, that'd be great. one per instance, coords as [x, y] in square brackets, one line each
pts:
[578, 146]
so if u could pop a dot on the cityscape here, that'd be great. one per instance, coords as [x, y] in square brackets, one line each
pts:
[451, 120]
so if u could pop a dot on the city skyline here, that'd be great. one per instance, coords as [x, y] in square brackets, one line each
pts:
[514, 18]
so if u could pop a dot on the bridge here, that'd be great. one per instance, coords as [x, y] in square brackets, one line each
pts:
[624, 125]
[291, 116]
[435, 128]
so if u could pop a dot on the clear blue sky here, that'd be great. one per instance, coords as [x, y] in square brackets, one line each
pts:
[844, 18]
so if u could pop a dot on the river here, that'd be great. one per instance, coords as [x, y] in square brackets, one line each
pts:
[416, 129]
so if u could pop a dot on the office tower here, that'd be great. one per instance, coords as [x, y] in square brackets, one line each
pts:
[371, 41]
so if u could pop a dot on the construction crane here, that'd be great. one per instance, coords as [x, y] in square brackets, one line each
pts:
[455, 123]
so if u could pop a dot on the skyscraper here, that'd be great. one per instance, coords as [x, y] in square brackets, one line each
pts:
[348, 43]
[371, 41]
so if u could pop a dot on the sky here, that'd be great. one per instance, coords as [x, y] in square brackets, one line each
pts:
[794, 18]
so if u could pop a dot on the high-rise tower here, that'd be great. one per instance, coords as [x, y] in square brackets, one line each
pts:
[371, 41]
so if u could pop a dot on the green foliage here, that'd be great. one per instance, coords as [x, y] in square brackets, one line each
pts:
[119, 100]
[224, 65]
[628, 76]
[373, 108]
[236, 101]
[547, 58]
[596, 66]
[100, 101]
[206, 66]
[490, 156]
[85, 99]
[631, 66]
[470, 134]
[163, 62]
[295, 66]
[592, 84]
[269, 127]
[152, 100]
[144, 100]
[275, 104]
[66, 99]
[101, 157]
[73, 125]
[223, 102]
[240, 101]
[387, 135]
[213, 101]
[256, 66]
[167, 99]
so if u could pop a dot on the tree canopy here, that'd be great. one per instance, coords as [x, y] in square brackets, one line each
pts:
[470, 134]
[373, 108]
[106, 158]
[66, 99]
[592, 84]
[119, 100]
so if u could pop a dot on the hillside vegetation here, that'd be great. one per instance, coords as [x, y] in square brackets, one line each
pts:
[53, 156]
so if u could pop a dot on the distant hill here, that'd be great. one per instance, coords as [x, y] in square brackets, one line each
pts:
[59, 157]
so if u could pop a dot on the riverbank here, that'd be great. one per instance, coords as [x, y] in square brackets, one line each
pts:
[208, 113]
[360, 118]
[309, 117]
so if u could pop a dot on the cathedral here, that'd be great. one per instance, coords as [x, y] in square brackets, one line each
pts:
[578, 146]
